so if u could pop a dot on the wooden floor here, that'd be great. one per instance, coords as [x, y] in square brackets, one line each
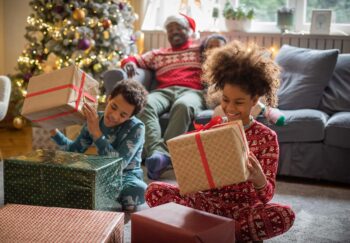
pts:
[15, 142]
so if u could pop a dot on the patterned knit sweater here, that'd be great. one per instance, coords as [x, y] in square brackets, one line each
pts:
[124, 141]
[263, 143]
[173, 66]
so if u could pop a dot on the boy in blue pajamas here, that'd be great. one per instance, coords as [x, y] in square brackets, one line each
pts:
[116, 132]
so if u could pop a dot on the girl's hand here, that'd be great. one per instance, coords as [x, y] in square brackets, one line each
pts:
[256, 174]
[92, 121]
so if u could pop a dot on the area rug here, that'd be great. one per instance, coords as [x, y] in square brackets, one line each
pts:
[322, 210]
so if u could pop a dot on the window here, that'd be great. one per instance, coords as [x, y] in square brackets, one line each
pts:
[265, 10]
[265, 13]
[341, 9]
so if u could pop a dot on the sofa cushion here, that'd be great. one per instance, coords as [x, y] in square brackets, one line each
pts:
[304, 125]
[336, 96]
[338, 130]
[305, 75]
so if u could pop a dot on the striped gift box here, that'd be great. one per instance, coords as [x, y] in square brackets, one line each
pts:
[23, 223]
[55, 100]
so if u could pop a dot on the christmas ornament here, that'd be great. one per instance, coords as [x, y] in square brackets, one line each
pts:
[106, 35]
[39, 36]
[97, 67]
[106, 23]
[79, 14]
[83, 44]
[19, 122]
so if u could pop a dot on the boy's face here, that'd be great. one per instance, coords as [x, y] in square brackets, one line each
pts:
[237, 104]
[213, 43]
[177, 34]
[117, 111]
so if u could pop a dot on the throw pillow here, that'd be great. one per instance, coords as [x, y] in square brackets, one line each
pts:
[336, 96]
[305, 75]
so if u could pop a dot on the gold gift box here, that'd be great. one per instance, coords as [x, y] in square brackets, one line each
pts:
[55, 100]
[211, 158]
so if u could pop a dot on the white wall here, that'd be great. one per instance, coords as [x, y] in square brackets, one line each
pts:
[13, 17]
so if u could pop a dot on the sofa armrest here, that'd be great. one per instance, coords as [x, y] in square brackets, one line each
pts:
[111, 77]
[5, 92]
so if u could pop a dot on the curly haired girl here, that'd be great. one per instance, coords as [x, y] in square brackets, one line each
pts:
[243, 73]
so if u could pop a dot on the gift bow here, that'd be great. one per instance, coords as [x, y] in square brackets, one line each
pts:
[217, 120]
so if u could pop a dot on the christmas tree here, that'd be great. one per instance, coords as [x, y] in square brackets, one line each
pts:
[92, 34]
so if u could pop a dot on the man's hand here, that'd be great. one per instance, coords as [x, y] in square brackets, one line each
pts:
[130, 69]
[92, 121]
[256, 174]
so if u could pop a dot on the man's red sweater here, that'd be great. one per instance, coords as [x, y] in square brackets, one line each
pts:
[173, 66]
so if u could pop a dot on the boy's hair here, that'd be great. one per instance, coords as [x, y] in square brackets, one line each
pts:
[133, 92]
[246, 65]
[204, 43]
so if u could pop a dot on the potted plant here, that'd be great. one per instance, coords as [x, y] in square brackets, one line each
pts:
[239, 18]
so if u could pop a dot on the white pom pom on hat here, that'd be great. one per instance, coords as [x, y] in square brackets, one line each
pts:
[184, 21]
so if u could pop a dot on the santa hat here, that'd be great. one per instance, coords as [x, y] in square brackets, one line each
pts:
[184, 21]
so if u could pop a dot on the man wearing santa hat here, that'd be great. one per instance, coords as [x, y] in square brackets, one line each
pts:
[179, 89]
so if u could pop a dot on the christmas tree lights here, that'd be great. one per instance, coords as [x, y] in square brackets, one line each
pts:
[93, 34]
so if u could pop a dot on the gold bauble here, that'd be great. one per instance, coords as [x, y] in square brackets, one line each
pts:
[19, 122]
[97, 67]
[106, 34]
[79, 14]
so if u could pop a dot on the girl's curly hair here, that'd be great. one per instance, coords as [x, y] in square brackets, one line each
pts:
[246, 65]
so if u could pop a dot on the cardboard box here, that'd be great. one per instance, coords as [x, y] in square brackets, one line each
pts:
[211, 158]
[63, 179]
[175, 223]
[55, 100]
[23, 223]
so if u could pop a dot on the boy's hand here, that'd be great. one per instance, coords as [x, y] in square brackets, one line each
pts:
[53, 132]
[92, 121]
[256, 174]
[130, 69]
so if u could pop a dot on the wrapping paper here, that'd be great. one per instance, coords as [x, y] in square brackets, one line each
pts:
[172, 222]
[23, 223]
[55, 100]
[63, 179]
[208, 159]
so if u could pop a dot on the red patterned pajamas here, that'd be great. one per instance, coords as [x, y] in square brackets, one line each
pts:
[256, 219]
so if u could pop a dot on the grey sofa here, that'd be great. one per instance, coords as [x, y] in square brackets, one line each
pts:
[315, 98]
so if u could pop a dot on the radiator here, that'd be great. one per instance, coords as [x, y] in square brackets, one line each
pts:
[156, 39]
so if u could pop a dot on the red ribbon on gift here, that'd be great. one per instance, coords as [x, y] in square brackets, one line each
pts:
[214, 122]
[79, 89]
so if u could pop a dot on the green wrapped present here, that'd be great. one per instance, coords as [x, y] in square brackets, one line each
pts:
[63, 179]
